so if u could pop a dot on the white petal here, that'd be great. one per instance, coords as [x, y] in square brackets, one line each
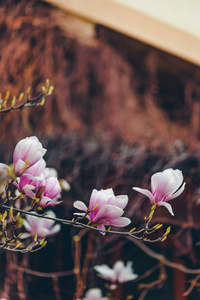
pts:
[80, 205]
[25, 235]
[106, 272]
[176, 194]
[55, 229]
[146, 193]
[167, 205]
[121, 201]
[120, 222]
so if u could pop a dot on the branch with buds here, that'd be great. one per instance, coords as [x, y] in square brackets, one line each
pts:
[38, 188]
[7, 104]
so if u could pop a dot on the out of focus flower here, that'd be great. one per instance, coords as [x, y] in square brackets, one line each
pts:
[107, 209]
[94, 294]
[51, 172]
[4, 173]
[40, 226]
[118, 274]
[27, 152]
[165, 186]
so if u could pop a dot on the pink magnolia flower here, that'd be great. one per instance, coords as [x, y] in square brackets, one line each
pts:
[109, 208]
[32, 179]
[118, 274]
[94, 294]
[165, 186]
[27, 152]
[51, 192]
[40, 226]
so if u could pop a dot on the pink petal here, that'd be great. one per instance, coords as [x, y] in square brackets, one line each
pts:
[102, 227]
[108, 211]
[80, 205]
[33, 222]
[146, 193]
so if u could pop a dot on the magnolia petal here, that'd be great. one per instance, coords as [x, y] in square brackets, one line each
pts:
[169, 181]
[79, 214]
[46, 201]
[94, 294]
[118, 266]
[154, 181]
[168, 198]
[106, 272]
[102, 227]
[46, 223]
[176, 179]
[55, 229]
[127, 273]
[146, 193]
[80, 205]
[125, 276]
[28, 190]
[33, 222]
[107, 211]
[167, 205]
[41, 232]
[121, 201]
[25, 235]
[27, 226]
[120, 222]
[20, 167]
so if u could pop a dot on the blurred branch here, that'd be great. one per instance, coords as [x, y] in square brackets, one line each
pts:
[30, 102]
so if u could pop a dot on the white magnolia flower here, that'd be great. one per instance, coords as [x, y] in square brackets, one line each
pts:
[120, 273]
[94, 294]
[165, 186]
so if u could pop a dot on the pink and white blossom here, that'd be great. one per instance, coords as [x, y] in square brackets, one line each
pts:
[51, 192]
[165, 186]
[4, 172]
[118, 274]
[32, 179]
[94, 294]
[27, 152]
[108, 209]
[40, 226]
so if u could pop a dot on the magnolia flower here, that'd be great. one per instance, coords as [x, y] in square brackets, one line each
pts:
[119, 274]
[27, 152]
[4, 173]
[32, 179]
[51, 172]
[94, 294]
[40, 226]
[165, 186]
[51, 192]
[108, 209]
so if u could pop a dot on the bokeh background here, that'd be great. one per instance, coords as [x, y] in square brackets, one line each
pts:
[121, 111]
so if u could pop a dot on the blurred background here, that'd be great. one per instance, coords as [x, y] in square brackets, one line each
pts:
[126, 104]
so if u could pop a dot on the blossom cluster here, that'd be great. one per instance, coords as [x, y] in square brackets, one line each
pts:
[34, 181]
